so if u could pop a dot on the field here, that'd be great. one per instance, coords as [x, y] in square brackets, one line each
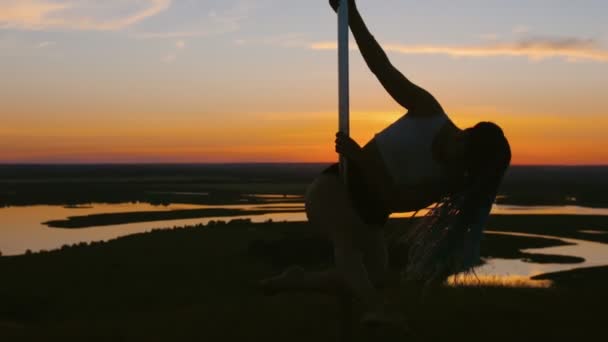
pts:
[163, 184]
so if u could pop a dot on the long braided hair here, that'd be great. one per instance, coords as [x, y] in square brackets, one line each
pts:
[447, 239]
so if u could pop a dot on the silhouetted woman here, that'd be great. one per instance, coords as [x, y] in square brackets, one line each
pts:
[420, 159]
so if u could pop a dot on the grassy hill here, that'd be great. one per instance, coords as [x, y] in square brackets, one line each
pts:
[198, 283]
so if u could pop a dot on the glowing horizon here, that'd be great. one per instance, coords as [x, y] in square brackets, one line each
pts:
[200, 144]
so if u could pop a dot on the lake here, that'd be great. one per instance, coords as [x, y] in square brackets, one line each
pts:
[22, 229]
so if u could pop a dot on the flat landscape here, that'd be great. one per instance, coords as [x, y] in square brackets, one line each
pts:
[199, 281]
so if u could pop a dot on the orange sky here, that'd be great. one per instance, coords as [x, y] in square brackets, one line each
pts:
[244, 81]
[278, 138]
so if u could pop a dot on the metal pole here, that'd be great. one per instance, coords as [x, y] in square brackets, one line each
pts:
[343, 76]
[346, 317]
[344, 299]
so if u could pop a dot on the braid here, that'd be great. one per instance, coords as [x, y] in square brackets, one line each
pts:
[446, 241]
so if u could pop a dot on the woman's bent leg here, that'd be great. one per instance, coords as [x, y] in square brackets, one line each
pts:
[359, 250]
[328, 208]
[375, 254]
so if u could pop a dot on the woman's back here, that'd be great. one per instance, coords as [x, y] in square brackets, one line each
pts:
[406, 148]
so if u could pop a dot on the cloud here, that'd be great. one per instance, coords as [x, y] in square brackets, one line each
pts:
[569, 49]
[521, 29]
[197, 18]
[213, 22]
[183, 34]
[11, 45]
[46, 44]
[106, 15]
[286, 40]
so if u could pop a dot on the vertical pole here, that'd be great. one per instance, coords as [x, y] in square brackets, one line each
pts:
[343, 76]
[346, 318]
[344, 299]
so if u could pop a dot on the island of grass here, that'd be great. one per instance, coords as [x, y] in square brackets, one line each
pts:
[110, 219]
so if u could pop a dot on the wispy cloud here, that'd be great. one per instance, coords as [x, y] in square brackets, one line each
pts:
[286, 40]
[185, 33]
[43, 45]
[521, 29]
[213, 22]
[569, 49]
[197, 18]
[77, 14]
[14, 46]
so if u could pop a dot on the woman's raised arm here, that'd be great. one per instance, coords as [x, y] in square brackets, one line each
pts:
[405, 92]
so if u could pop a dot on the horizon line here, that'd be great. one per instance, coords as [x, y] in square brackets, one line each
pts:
[243, 163]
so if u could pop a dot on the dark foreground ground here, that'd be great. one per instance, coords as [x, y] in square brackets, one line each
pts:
[198, 284]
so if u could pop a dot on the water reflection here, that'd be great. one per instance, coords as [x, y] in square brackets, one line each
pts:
[517, 272]
[21, 229]
[184, 193]
[595, 232]
[547, 210]
[594, 253]
[473, 280]
[273, 196]
[507, 209]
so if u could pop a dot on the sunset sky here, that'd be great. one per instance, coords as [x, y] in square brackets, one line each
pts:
[255, 80]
